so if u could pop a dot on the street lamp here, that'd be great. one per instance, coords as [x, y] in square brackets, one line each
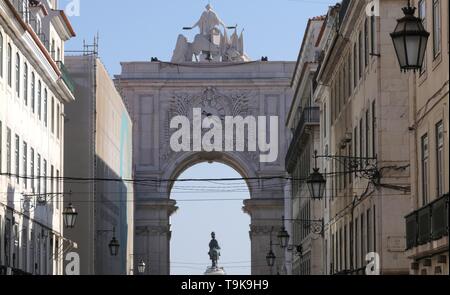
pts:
[316, 182]
[283, 236]
[114, 244]
[70, 216]
[410, 40]
[270, 258]
[141, 267]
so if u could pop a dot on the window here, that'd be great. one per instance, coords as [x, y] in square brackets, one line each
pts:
[362, 244]
[57, 188]
[361, 139]
[367, 134]
[25, 83]
[423, 16]
[7, 242]
[374, 229]
[24, 248]
[53, 49]
[440, 158]
[366, 42]
[325, 120]
[361, 54]
[39, 97]
[44, 177]
[350, 75]
[368, 231]
[1, 55]
[9, 65]
[436, 28]
[52, 183]
[15, 254]
[355, 66]
[45, 107]
[33, 92]
[52, 114]
[58, 121]
[18, 74]
[345, 248]
[374, 126]
[355, 145]
[17, 153]
[373, 31]
[32, 169]
[425, 159]
[25, 163]
[32, 252]
[355, 239]
[333, 254]
[8, 151]
[38, 174]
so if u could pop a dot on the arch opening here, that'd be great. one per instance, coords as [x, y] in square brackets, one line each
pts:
[206, 207]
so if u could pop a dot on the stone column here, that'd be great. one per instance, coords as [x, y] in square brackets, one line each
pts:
[266, 217]
[152, 234]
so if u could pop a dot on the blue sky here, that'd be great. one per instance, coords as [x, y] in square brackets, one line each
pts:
[136, 30]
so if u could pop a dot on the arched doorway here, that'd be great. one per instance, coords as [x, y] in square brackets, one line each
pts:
[204, 207]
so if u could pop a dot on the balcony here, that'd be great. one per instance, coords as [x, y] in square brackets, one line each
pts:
[428, 224]
[65, 76]
[22, 8]
[309, 117]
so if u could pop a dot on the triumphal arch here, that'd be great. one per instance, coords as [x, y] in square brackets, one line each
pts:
[209, 84]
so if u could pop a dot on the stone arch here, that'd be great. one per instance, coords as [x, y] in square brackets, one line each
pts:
[183, 162]
[156, 92]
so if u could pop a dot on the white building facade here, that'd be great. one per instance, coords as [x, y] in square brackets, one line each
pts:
[33, 90]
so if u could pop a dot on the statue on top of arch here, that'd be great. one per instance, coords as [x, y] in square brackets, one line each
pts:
[212, 44]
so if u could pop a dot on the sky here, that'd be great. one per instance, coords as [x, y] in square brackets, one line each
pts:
[136, 30]
[196, 218]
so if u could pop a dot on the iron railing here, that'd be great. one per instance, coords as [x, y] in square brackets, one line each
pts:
[65, 76]
[309, 116]
[428, 224]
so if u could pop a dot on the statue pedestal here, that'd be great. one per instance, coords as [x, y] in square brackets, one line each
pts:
[215, 271]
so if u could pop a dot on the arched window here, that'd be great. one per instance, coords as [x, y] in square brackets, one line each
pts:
[9, 65]
[18, 74]
[25, 83]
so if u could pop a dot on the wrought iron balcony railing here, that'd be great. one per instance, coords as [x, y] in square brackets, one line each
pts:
[309, 116]
[65, 76]
[428, 224]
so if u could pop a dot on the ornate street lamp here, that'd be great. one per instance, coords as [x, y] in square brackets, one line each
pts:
[69, 216]
[283, 236]
[141, 267]
[114, 245]
[410, 40]
[270, 258]
[316, 182]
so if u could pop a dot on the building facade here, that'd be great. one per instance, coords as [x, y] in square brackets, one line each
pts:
[34, 89]
[427, 224]
[364, 101]
[304, 121]
[99, 147]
